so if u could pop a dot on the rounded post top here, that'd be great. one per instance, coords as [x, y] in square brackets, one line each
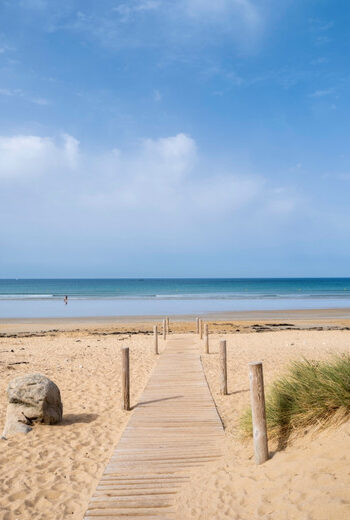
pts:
[255, 363]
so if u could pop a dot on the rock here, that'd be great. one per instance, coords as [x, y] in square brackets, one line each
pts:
[32, 398]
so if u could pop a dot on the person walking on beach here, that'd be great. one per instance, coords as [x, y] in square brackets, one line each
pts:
[65, 300]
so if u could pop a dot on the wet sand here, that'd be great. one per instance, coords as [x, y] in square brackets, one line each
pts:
[225, 321]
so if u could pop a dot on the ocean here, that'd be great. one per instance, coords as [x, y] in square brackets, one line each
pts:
[160, 296]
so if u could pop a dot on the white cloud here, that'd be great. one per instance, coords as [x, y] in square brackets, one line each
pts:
[175, 155]
[28, 156]
[160, 179]
[63, 202]
[70, 150]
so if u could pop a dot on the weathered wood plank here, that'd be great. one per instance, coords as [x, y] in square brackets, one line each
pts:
[174, 428]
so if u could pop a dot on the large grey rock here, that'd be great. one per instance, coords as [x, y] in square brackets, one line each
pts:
[32, 398]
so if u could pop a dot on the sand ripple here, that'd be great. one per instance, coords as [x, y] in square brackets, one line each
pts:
[51, 472]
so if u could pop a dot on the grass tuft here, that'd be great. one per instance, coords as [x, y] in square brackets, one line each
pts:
[310, 394]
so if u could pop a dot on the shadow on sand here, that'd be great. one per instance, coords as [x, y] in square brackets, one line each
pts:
[73, 418]
[239, 391]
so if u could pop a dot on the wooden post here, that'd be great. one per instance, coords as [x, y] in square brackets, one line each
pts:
[223, 367]
[164, 330]
[125, 378]
[200, 329]
[167, 325]
[155, 330]
[206, 335]
[197, 325]
[257, 397]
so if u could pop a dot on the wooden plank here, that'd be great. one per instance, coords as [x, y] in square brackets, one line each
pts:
[173, 429]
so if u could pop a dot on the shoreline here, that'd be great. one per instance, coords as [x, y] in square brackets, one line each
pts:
[300, 318]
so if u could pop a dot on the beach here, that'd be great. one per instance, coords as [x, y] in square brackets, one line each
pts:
[309, 478]
[174, 267]
[52, 471]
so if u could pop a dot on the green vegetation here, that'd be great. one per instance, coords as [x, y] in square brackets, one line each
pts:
[310, 394]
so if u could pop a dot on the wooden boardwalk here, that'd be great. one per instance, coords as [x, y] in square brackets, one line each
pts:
[173, 429]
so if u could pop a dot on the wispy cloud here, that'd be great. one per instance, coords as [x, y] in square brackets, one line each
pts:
[157, 96]
[246, 10]
[319, 61]
[179, 24]
[10, 92]
[320, 30]
[24, 95]
[318, 25]
[322, 93]
[5, 47]
[34, 4]
[322, 40]
[127, 10]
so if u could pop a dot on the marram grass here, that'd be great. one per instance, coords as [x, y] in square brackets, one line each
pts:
[310, 394]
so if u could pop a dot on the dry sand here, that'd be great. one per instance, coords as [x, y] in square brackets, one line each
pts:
[51, 472]
[309, 480]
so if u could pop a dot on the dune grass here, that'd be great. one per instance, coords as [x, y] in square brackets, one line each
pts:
[310, 394]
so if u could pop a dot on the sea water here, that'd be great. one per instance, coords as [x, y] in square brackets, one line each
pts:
[136, 297]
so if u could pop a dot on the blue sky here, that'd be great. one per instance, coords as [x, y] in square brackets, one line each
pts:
[174, 138]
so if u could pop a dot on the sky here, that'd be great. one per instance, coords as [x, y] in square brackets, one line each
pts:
[179, 138]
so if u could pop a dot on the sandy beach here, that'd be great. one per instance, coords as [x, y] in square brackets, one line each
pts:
[177, 163]
[52, 471]
[310, 479]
